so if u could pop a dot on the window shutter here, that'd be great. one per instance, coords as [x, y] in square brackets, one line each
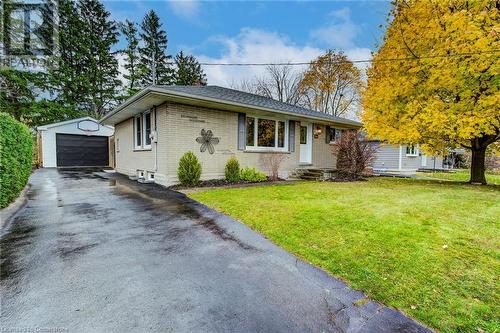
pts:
[291, 135]
[241, 131]
[327, 134]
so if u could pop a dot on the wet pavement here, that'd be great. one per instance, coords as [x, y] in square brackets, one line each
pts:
[94, 252]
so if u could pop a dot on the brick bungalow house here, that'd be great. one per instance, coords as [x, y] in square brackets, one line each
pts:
[155, 127]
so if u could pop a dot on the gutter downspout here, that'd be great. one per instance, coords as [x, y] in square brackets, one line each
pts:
[156, 143]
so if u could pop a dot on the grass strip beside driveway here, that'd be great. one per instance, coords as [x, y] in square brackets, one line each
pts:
[430, 249]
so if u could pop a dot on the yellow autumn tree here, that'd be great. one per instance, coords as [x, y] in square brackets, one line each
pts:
[331, 84]
[435, 79]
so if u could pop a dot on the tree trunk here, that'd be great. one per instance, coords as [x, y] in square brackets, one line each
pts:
[477, 166]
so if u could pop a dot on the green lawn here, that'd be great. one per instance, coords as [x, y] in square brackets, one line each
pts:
[431, 249]
[459, 176]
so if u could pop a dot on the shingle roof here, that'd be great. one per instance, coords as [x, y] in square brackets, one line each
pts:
[236, 96]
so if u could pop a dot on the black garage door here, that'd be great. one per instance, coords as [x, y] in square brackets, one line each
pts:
[82, 150]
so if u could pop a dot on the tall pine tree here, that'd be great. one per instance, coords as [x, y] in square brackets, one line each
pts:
[154, 57]
[85, 75]
[188, 71]
[67, 79]
[132, 60]
[22, 95]
[100, 65]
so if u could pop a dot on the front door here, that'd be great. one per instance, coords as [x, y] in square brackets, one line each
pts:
[305, 143]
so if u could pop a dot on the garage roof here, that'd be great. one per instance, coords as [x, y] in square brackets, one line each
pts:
[70, 121]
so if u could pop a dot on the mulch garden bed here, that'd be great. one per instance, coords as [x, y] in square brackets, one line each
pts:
[222, 183]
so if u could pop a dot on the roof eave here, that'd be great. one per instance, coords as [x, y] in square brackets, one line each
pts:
[129, 101]
[160, 91]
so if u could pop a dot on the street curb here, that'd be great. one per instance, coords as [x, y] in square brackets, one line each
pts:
[7, 213]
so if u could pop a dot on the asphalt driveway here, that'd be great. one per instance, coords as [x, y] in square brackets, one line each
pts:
[93, 252]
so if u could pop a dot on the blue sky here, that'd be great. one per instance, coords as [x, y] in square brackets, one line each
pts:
[261, 31]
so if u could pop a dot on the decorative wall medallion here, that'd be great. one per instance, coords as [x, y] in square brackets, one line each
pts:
[87, 125]
[207, 141]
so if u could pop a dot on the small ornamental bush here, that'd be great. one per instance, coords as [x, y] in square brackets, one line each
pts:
[189, 171]
[252, 175]
[354, 155]
[272, 162]
[16, 153]
[232, 170]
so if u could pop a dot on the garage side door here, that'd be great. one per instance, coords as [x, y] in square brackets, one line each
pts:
[82, 150]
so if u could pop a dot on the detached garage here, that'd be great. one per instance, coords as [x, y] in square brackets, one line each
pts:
[82, 142]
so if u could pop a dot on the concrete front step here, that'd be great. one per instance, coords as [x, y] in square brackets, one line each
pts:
[313, 173]
[310, 177]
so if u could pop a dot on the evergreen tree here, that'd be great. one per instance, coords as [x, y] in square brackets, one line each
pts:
[188, 71]
[100, 65]
[21, 96]
[131, 53]
[66, 76]
[154, 58]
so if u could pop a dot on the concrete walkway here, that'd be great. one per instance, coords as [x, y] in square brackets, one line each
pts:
[93, 252]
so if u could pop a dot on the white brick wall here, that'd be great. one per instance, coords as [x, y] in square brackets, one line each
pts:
[179, 125]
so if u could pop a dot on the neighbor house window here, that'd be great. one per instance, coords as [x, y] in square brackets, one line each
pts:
[266, 134]
[138, 132]
[411, 151]
[147, 129]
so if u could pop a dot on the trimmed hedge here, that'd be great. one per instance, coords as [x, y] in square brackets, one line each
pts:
[16, 153]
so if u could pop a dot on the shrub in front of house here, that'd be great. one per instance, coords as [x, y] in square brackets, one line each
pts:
[252, 175]
[16, 153]
[189, 171]
[232, 170]
[272, 162]
[354, 155]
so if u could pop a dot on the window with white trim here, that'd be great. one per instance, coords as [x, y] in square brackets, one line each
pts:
[138, 132]
[142, 130]
[411, 151]
[266, 134]
[147, 129]
[334, 134]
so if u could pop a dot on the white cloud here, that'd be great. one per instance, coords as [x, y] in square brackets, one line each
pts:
[339, 33]
[253, 46]
[185, 8]
[359, 54]
[259, 46]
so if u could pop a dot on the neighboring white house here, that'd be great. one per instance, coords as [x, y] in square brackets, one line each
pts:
[403, 159]
[76, 142]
